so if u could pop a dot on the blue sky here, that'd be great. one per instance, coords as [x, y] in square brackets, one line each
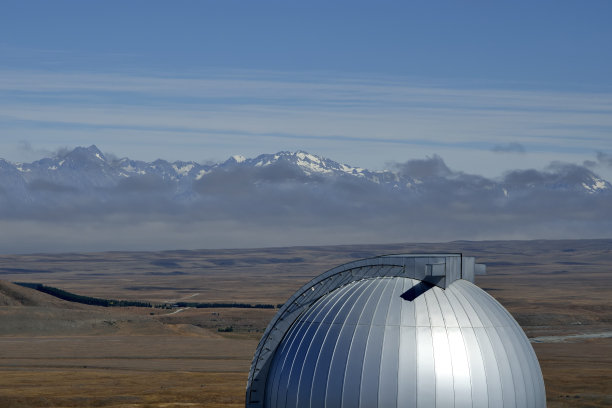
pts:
[487, 86]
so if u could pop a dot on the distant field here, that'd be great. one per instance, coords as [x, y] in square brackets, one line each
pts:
[59, 354]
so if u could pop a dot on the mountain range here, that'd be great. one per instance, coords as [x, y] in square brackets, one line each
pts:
[82, 199]
[85, 174]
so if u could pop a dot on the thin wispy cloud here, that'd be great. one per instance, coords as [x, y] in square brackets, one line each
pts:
[261, 111]
[604, 159]
[27, 148]
[303, 89]
[248, 88]
[511, 147]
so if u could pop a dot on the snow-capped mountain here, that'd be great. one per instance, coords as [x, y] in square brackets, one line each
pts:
[87, 172]
[87, 168]
[309, 165]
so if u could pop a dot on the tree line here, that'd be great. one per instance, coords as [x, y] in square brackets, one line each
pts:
[238, 305]
[88, 300]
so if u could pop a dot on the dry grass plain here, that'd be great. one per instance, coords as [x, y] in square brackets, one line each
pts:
[60, 354]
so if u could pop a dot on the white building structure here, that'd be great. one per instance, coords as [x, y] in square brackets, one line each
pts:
[395, 331]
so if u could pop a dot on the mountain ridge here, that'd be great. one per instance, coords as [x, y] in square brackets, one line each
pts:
[83, 198]
[99, 171]
[84, 177]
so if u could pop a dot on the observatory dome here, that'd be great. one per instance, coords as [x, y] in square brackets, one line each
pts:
[395, 331]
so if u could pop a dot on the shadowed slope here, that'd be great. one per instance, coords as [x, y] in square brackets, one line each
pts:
[15, 295]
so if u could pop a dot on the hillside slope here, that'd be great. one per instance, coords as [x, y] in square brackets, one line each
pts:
[15, 295]
[28, 312]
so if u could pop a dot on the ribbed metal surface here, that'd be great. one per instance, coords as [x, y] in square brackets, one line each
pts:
[364, 345]
[437, 269]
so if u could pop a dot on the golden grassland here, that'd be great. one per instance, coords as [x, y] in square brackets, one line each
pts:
[577, 374]
[107, 388]
[60, 354]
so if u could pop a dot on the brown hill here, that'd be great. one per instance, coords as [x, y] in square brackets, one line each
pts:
[15, 295]
[28, 312]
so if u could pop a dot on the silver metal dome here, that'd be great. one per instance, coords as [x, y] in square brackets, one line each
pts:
[395, 331]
